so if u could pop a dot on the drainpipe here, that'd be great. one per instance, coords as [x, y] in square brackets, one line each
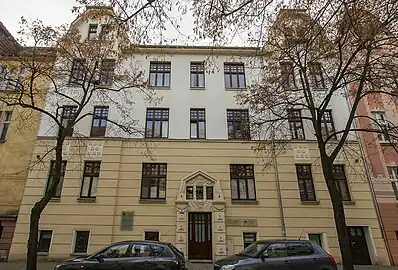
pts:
[278, 186]
[370, 183]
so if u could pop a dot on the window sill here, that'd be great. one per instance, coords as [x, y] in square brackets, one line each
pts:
[236, 89]
[154, 201]
[55, 199]
[197, 88]
[310, 202]
[88, 200]
[160, 87]
[254, 202]
[349, 202]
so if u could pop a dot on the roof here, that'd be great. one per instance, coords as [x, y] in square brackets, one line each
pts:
[8, 45]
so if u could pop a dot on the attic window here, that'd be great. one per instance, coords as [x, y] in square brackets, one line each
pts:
[92, 31]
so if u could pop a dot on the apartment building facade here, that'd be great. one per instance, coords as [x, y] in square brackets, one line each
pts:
[191, 178]
[18, 131]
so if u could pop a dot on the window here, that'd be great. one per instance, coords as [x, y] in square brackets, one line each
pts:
[90, 179]
[316, 76]
[341, 182]
[198, 124]
[209, 193]
[4, 124]
[393, 174]
[189, 193]
[234, 75]
[157, 123]
[296, 124]
[11, 79]
[327, 125]
[238, 124]
[242, 182]
[92, 31]
[276, 250]
[105, 31]
[159, 74]
[305, 182]
[381, 125]
[67, 118]
[116, 251]
[151, 235]
[249, 238]
[51, 178]
[153, 184]
[78, 71]
[162, 251]
[81, 242]
[141, 250]
[107, 70]
[315, 238]
[197, 75]
[98, 127]
[44, 241]
[287, 76]
[299, 249]
[199, 192]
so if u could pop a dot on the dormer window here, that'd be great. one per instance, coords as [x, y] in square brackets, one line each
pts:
[92, 31]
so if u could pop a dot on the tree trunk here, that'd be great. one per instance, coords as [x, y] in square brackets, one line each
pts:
[339, 215]
[31, 263]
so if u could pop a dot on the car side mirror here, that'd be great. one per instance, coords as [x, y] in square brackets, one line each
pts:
[263, 256]
[99, 258]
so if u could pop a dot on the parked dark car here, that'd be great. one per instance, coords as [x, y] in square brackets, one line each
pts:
[279, 255]
[130, 255]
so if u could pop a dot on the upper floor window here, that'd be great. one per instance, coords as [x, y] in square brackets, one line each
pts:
[107, 70]
[92, 31]
[51, 177]
[157, 123]
[78, 71]
[242, 182]
[287, 76]
[198, 124]
[5, 121]
[197, 75]
[199, 192]
[100, 119]
[67, 118]
[327, 125]
[234, 75]
[381, 125]
[105, 31]
[159, 74]
[393, 174]
[296, 124]
[238, 124]
[153, 185]
[316, 75]
[90, 179]
[341, 182]
[305, 182]
[11, 79]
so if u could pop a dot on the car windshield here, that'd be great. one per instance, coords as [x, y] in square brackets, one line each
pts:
[253, 249]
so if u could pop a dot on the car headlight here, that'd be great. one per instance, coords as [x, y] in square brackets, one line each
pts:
[227, 267]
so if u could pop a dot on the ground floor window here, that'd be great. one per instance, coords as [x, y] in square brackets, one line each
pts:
[152, 235]
[81, 241]
[315, 238]
[44, 241]
[249, 238]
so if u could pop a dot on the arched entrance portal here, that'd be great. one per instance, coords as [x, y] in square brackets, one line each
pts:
[201, 217]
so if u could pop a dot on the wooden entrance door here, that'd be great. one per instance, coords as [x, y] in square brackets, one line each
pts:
[199, 236]
[359, 247]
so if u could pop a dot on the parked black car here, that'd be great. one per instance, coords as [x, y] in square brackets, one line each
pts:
[279, 255]
[130, 255]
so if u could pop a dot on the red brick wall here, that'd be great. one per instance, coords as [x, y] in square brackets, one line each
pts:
[6, 237]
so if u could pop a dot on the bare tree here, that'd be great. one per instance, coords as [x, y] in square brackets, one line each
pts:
[313, 55]
[64, 74]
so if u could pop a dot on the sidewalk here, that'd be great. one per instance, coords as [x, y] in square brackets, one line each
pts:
[191, 266]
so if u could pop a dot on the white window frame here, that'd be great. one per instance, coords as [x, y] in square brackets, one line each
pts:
[74, 240]
[51, 241]
[393, 177]
[324, 239]
[145, 231]
[380, 118]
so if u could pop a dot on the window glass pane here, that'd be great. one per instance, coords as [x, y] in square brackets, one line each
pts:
[189, 192]
[159, 79]
[152, 79]
[201, 82]
[165, 129]
[202, 130]
[94, 187]
[194, 82]
[194, 130]
[162, 188]
[276, 250]
[96, 123]
[251, 191]
[118, 251]
[234, 78]
[86, 186]
[248, 239]
[209, 193]
[152, 236]
[199, 193]
[154, 191]
[315, 238]
[242, 189]
[241, 81]
[149, 128]
[166, 79]
[157, 132]
[141, 250]
[234, 189]
[227, 81]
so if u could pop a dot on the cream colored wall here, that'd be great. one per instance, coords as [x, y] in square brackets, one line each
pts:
[120, 183]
